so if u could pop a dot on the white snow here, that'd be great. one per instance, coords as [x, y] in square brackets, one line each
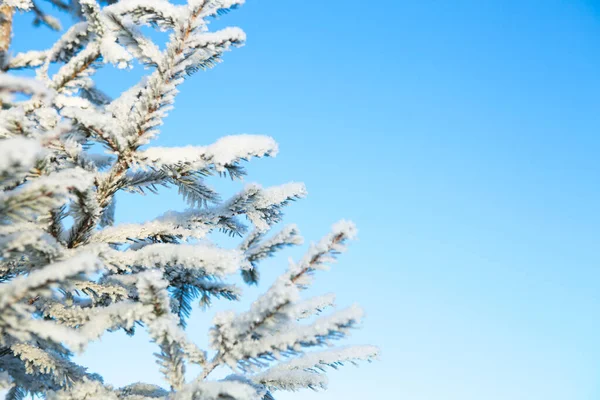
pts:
[291, 380]
[208, 258]
[20, 4]
[217, 391]
[19, 153]
[312, 306]
[226, 151]
[20, 286]
[19, 84]
[67, 279]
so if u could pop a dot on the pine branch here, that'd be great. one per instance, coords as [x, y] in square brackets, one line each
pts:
[187, 285]
[76, 69]
[16, 393]
[256, 251]
[45, 19]
[69, 274]
[229, 336]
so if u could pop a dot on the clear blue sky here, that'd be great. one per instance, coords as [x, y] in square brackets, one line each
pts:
[463, 138]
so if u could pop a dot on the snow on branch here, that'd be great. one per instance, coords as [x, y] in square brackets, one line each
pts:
[164, 329]
[93, 322]
[136, 44]
[247, 354]
[308, 370]
[84, 389]
[95, 124]
[75, 38]
[226, 151]
[17, 156]
[153, 229]
[312, 306]
[41, 194]
[263, 207]
[218, 391]
[18, 153]
[26, 330]
[267, 328]
[40, 279]
[99, 292]
[68, 274]
[291, 380]
[209, 259]
[317, 361]
[76, 72]
[158, 13]
[26, 241]
[110, 50]
[38, 361]
[185, 167]
[20, 4]
[213, 8]
[323, 252]
[256, 250]
[264, 314]
[91, 12]
[13, 123]
[204, 50]
[17, 84]
[142, 391]
[186, 52]
[186, 285]
[271, 306]
[30, 59]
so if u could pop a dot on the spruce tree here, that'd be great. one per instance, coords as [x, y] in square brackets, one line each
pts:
[69, 274]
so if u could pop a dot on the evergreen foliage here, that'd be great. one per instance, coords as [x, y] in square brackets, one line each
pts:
[68, 274]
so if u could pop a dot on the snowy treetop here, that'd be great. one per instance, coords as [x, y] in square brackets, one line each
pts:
[69, 273]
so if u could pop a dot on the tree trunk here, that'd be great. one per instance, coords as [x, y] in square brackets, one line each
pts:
[6, 19]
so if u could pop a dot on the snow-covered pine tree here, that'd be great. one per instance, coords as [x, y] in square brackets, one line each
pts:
[68, 274]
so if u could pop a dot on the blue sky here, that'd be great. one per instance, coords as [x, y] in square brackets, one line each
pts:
[462, 138]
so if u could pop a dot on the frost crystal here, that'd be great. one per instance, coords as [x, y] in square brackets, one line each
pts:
[69, 273]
